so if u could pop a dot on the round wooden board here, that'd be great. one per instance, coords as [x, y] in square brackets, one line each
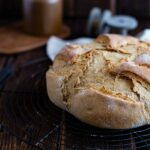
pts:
[14, 40]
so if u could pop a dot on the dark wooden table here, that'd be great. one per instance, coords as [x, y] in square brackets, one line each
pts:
[9, 141]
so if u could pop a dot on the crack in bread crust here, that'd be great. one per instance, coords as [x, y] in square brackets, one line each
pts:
[76, 77]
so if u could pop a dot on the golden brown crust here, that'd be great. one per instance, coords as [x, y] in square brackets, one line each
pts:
[54, 88]
[70, 51]
[133, 68]
[96, 108]
[105, 111]
[115, 40]
[82, 82]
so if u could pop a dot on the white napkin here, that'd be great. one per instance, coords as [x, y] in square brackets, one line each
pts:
[55, 44]
[144, 35]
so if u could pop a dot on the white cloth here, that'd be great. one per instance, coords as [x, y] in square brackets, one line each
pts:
[144, 35]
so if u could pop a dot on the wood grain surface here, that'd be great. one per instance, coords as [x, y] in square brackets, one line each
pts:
[7, 140]
[14, 40]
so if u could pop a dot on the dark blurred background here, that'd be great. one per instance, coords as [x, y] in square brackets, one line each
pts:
[76, 11]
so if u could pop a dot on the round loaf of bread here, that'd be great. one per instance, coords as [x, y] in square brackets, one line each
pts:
[105, 83]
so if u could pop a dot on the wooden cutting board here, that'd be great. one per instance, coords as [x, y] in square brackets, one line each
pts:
[14, 40]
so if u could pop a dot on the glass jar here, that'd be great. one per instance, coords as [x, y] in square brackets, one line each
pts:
[42, 17]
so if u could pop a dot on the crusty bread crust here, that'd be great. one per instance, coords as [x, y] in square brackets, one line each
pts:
[97, 103]
[105, 111]
[96, 108]
[54, 88]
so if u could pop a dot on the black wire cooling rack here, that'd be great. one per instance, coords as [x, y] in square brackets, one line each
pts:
[28, 115]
